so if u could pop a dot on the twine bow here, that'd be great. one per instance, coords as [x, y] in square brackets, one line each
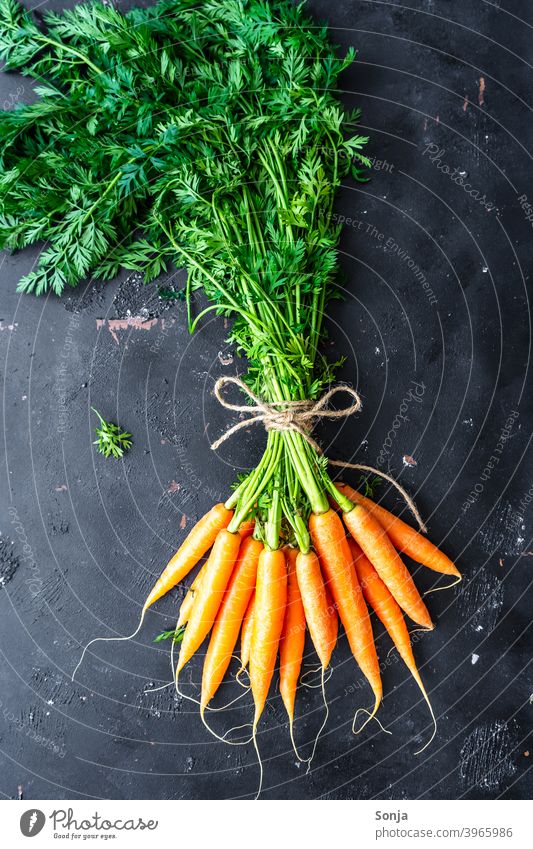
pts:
[299, 417]
[295, 416]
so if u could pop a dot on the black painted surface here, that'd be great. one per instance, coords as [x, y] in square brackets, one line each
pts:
[453, 75]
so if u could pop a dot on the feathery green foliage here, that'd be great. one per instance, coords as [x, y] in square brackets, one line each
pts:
[203, 133]
[112, 440]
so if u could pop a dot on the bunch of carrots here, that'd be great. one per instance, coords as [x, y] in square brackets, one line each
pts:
[271, 596]
[209, 134]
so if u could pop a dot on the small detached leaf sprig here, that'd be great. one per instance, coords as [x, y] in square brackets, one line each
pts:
[112, 441]
[177, 635]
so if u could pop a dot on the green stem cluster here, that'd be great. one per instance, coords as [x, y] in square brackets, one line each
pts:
[290, 479]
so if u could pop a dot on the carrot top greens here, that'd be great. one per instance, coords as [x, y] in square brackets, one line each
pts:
[199, 134]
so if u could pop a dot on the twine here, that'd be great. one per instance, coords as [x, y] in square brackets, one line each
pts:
[299, 417]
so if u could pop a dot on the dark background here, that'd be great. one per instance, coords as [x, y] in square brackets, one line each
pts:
[83, 538]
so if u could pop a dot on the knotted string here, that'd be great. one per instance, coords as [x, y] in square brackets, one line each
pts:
[295, 416]
[299, 417]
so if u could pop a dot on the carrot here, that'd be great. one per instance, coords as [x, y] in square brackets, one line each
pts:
[229, 619]
[198, 542]
[247, 528]
[188, 602]
[329, 540]
[269, 613]
[246, 632]
[403, 536]
[218, 571]
[388, 611]
[291, 647]
[320, 612]
[376, 545]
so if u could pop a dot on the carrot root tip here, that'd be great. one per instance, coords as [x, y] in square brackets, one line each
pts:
[371, 715]
[324, 721]
[223, 738]
[108, 640]
[259, 761]
[449, 586]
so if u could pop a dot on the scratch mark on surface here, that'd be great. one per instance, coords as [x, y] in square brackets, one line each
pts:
[134, 321]
[465, 104]
[481, 601]
[486, 756]
[505, 533]
[481, 94]
[9, 562]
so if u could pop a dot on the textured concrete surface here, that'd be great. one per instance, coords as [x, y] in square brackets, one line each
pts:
[436, 330]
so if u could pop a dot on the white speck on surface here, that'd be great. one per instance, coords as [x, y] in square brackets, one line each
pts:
[225, 358]
[485, 269]
[475, 658]
[469, 422]
[377, 350]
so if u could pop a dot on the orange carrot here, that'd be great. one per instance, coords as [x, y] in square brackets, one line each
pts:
[320, 612]
[188, 602]
[329, 540]
[246, 632]
[387, 609]
[269, 613]
[229, 619]
[198, 542]
[291, 647]
[218, 571]
[247, 528]
[403, 536]
[375, 543]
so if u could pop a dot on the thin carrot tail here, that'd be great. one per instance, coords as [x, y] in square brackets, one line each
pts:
[320, 730]
[371, 715]
[293, 741]
[259, 761]
[109, 640]
[418, 679]
[449, 586]
[223, 738]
